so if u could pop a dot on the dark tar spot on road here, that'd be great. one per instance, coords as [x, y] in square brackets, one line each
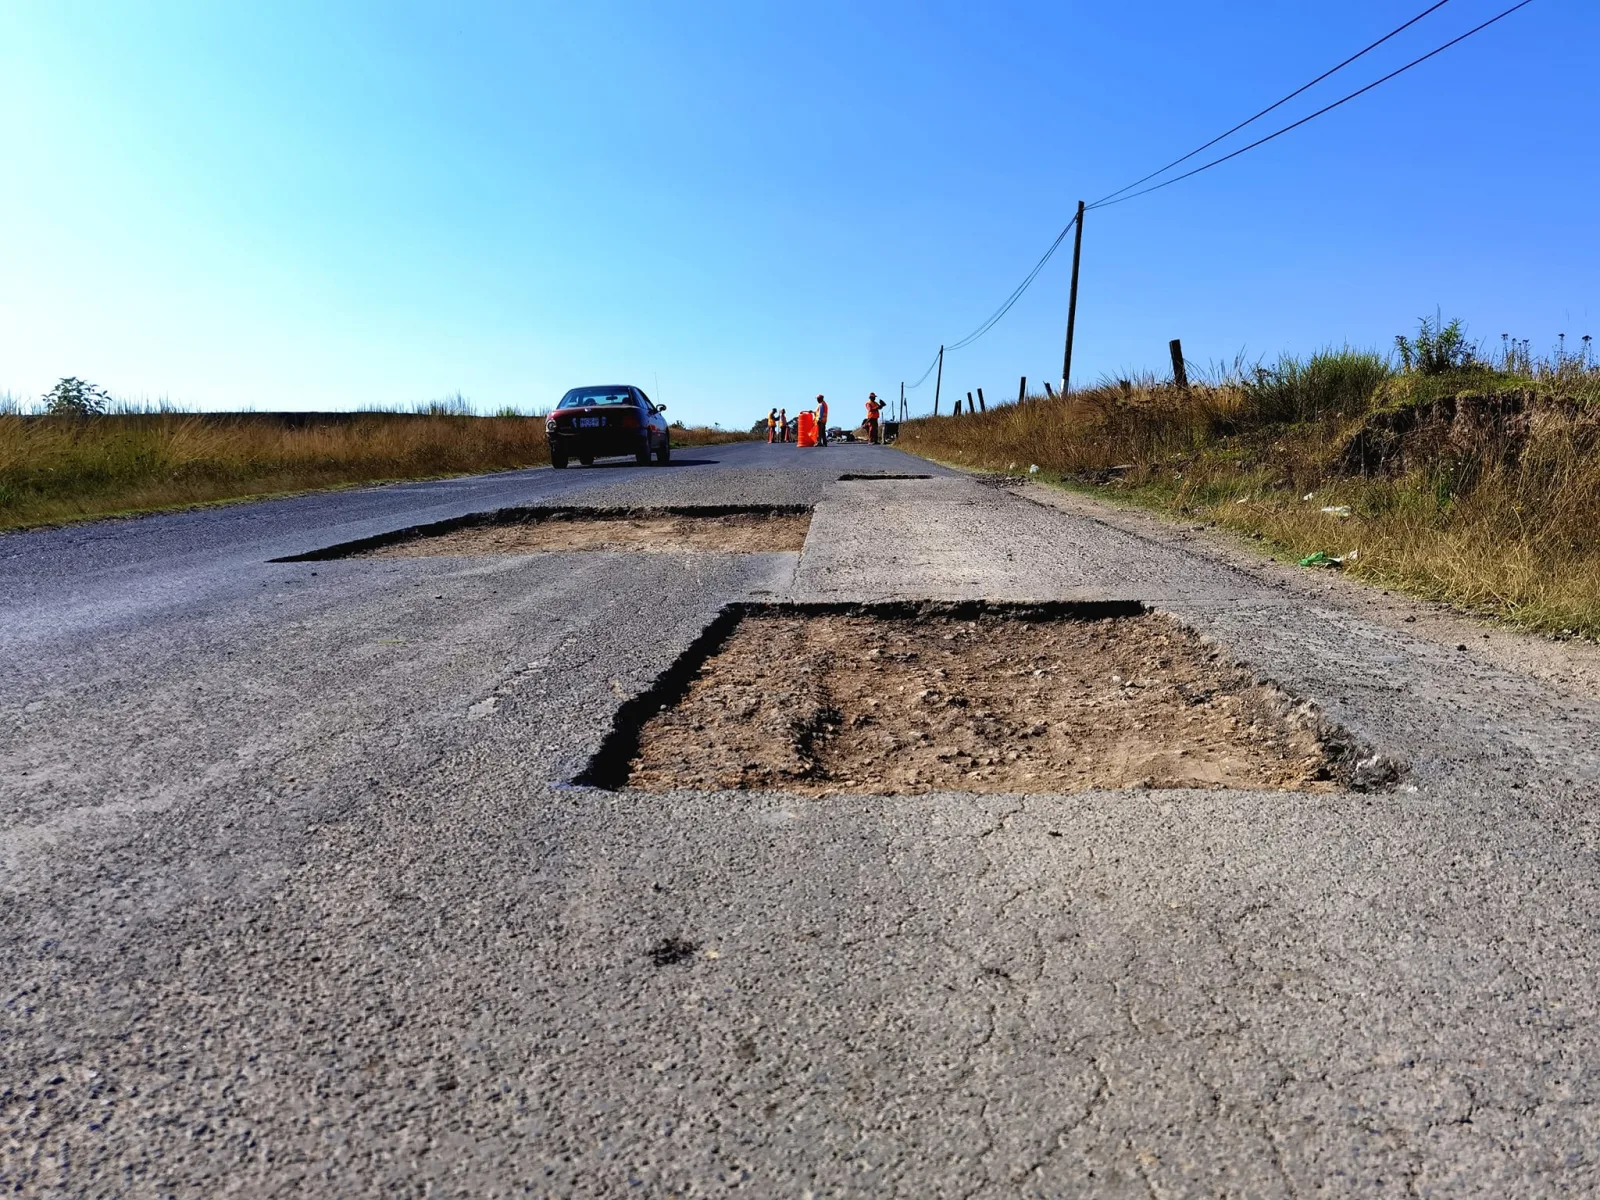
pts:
[671, 951]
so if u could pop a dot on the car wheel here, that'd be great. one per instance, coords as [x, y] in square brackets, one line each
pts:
[586, 459]
[558, 459]
[642, 454]
[664, 455]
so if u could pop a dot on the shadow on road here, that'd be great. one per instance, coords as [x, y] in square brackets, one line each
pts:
[618, 463]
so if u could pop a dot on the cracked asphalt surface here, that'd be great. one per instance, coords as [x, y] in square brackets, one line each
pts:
[297, 900]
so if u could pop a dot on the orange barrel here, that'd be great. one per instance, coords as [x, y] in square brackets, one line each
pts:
[806, 429]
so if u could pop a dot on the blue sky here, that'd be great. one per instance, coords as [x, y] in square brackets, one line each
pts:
[285, 205]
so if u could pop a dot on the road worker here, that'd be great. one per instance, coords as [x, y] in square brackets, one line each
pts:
[783, 424]
[772, 426]
[874, 407]
[822, 420]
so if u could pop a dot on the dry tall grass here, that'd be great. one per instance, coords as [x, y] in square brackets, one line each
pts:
[67, 468]
[1477, 487]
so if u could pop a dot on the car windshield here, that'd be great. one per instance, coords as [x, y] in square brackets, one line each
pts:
[583, 397]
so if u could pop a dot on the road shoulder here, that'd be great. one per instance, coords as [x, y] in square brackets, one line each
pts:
[1572, 666]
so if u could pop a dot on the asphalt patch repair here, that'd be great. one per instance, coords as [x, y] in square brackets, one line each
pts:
[940, 698]
[734, 530]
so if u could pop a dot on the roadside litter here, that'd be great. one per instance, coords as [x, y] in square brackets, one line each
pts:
[1337, 510]
[1322, 558]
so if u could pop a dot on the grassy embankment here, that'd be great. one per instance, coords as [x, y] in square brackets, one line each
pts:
[55, 469]
[1469, 482]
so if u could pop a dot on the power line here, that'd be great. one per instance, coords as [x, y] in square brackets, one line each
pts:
[1279, 104]
[1329, 108]
[1016, 294]
[1117, 197]
[994, 318]
[911, 387]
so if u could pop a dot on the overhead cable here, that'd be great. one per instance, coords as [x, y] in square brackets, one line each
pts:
[911, 387]
[1328, 108]
[1278, 104]
[1016, 294]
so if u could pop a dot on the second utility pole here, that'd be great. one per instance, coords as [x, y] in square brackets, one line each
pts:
[938, 383]
[1072, 301]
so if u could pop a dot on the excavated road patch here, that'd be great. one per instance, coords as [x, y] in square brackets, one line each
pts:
[738, 533]
[855, 477]
[728, 529]
[966, 698]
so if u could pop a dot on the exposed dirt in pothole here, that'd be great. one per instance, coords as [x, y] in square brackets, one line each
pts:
[824, 703]
[739, 533]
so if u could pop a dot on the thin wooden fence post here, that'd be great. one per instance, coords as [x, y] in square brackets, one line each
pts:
[969, 404]
[1022, 390]
[1179, 375]
[1048, 390]
[982, 407]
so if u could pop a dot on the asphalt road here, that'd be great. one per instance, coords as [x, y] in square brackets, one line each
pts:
[297, 900]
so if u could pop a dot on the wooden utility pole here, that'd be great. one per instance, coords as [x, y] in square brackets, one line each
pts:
[1022, 390]
[937, 383]
[903, 399]
[1072, 301]
[982, 407]
[1180, 375]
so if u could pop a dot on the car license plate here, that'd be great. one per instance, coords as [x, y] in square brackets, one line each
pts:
[590, 422]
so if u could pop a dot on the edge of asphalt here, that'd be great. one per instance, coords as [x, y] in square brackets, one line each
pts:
[1571, 666]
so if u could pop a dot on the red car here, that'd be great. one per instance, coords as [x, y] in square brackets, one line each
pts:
[593, 422]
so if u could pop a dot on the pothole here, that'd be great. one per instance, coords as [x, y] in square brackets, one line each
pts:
[1017, 699]
[728, 529]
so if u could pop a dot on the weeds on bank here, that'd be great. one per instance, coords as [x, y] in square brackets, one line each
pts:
[1489, 497]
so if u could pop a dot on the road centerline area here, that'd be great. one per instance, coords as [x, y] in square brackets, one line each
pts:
[300, 899]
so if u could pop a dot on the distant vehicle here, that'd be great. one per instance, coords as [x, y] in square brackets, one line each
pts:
[596, 422]
[837, 434]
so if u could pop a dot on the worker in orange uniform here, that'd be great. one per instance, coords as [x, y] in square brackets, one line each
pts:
[874, 407]
[783, 424]
[772, 426]
[822, 420]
